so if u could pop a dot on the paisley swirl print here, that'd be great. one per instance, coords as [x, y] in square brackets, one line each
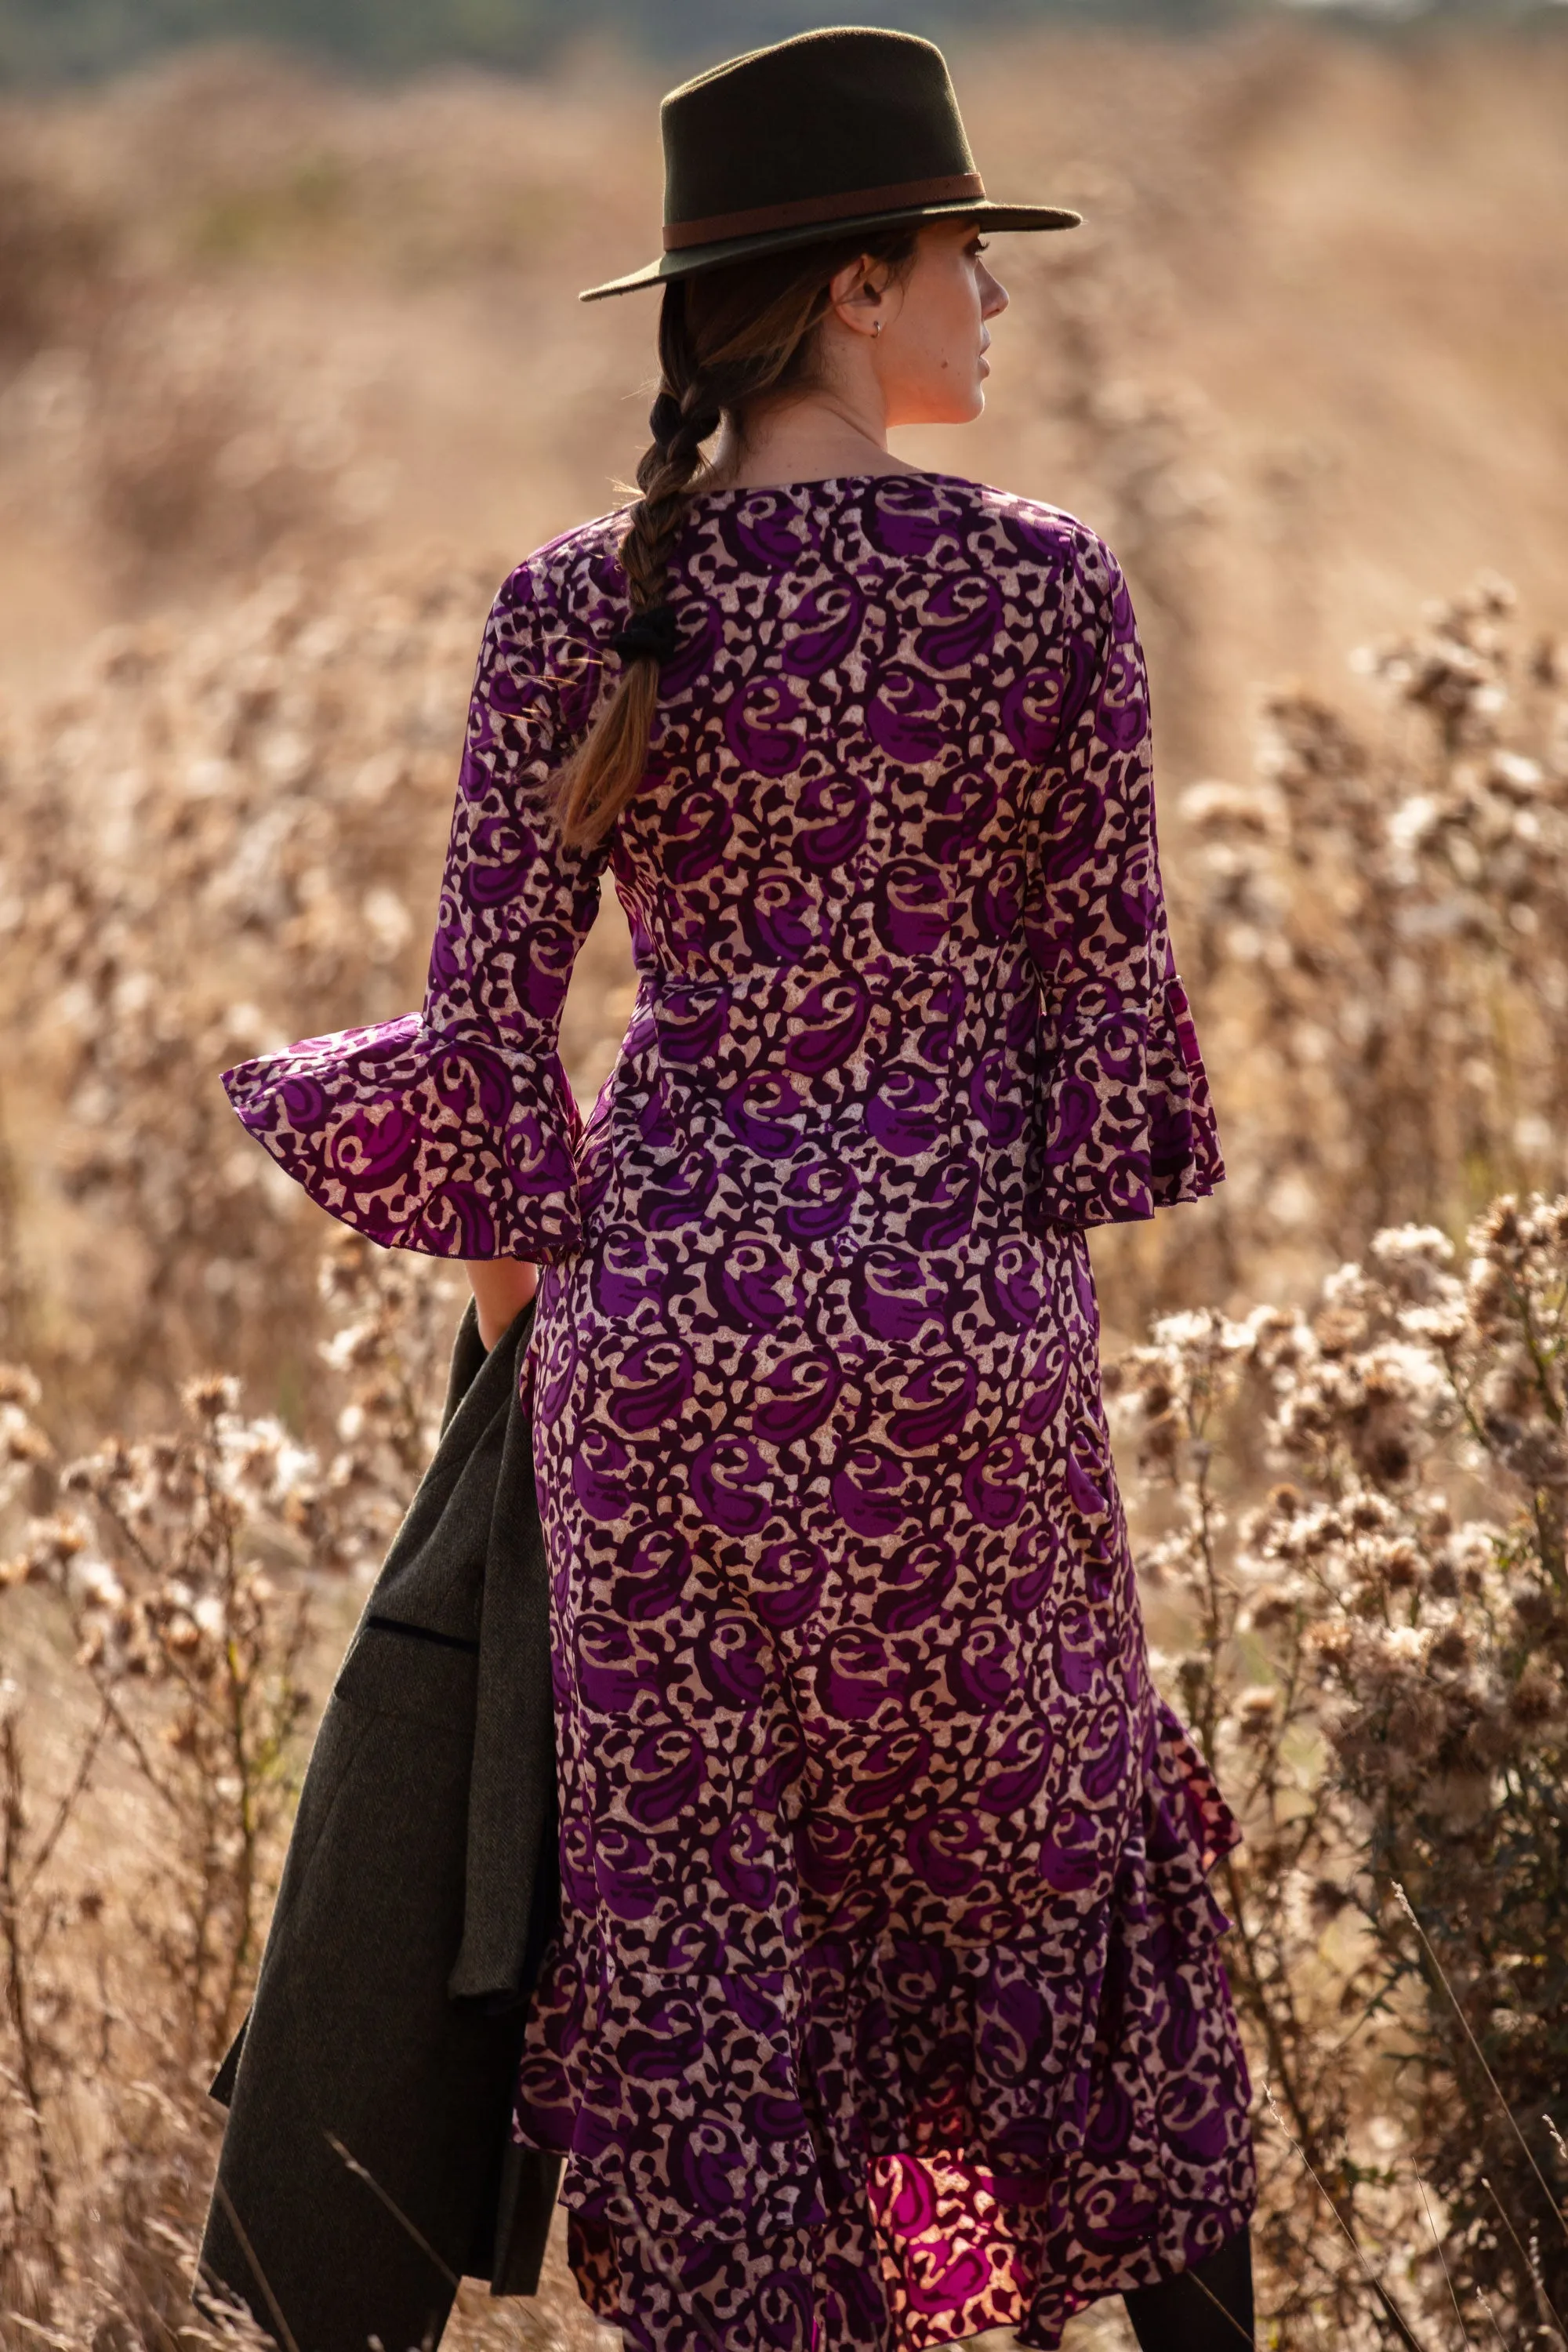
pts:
[886, 2004]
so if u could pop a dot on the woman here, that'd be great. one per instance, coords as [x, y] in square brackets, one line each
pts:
[886, 2006]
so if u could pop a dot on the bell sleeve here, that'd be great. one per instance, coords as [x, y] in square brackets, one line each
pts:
[1124, 1123]
[453, 1131]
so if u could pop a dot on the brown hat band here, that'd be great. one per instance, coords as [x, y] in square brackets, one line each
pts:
[809, 211]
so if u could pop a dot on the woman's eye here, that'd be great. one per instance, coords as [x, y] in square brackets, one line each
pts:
[980, 245]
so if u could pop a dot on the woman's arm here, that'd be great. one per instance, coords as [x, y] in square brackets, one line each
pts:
[1124, 1125]
[502, 1288]
[453, 1131]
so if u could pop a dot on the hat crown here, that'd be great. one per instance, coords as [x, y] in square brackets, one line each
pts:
[827, 114]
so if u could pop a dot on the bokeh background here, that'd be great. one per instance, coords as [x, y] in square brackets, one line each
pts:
[291, 370]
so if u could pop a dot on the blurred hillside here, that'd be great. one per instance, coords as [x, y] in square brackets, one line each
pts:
[42, 40]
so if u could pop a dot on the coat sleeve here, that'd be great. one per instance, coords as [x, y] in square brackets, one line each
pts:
[1124, 1124]
[453, 1131]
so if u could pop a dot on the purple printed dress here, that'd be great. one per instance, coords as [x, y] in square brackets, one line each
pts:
[886, 2005]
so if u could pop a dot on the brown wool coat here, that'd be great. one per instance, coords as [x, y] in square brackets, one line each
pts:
[367, 2160]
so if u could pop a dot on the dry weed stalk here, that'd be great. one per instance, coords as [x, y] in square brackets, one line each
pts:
[160, 1592]
[207, 842]
[1378, 1662]
[1380, 921]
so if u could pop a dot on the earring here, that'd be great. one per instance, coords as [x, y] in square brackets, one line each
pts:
[877, 327]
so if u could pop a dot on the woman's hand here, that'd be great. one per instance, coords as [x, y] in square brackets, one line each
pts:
[502, 1288]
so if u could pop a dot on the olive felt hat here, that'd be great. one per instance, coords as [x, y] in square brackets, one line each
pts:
[831, 131]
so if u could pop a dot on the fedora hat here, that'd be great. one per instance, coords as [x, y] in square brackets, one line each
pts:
[829, 132]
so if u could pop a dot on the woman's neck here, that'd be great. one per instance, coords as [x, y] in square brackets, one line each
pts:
[809, 438]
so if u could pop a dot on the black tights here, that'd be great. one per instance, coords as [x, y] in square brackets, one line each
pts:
[1178, 2315]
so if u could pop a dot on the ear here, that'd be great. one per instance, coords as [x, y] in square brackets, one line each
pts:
[857, 295]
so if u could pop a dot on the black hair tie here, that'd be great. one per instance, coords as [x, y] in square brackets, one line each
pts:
[648, 636]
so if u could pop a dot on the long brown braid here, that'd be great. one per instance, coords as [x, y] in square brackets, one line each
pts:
[727, 339]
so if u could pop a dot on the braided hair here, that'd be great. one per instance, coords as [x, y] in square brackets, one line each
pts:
[728, 340]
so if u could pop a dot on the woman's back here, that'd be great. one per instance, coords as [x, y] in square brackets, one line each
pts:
[900, 780]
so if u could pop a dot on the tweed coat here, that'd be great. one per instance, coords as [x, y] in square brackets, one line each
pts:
[419, 1889]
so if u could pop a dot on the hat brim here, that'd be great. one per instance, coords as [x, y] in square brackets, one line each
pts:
[695, 259]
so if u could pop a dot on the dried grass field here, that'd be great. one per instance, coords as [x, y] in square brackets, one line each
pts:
[289, 372]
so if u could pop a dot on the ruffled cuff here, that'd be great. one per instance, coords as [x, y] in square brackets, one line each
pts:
[452, 1146]
[1126, 1126]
